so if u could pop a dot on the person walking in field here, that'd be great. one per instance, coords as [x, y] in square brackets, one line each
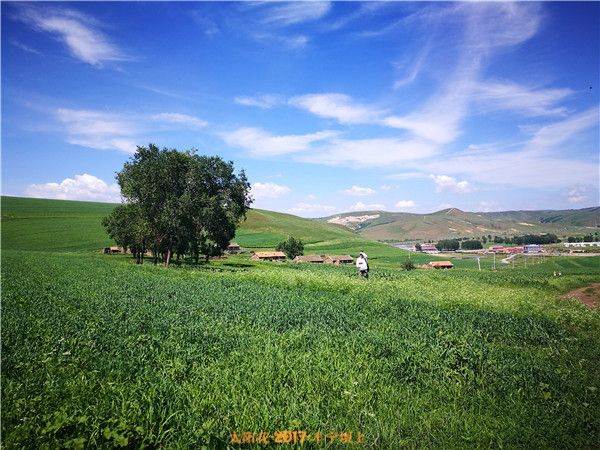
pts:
[362, 266]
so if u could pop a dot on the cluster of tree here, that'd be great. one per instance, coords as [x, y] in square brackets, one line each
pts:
[292, 247]
[471, 245]
[177, 203]
[587, 238]
[448, 245]
[528, 239]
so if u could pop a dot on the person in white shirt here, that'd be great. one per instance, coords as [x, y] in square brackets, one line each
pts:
[362, 266]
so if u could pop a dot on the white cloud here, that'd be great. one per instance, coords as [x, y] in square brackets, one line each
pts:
[265, 101]
[337, 106]
[553, 135]
[578, 194]
[268, 190]
[182, 119]
[311, 209]
[360, 206]
[541, 162]
[523, 100]
[445, 183]
[405, 204]
[82, 187]
[118, 131]
[24, 47]
[285, 14]
[77, 31]
[382, 152]
[489, 206]
[261, 143]
[407, 176]
[360, 191]
[99, 130]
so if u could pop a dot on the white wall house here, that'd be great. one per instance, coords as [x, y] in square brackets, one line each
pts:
[582, 244]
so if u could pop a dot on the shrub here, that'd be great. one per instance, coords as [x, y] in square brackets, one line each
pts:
[408, 265]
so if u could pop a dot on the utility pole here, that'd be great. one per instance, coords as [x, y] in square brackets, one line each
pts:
[478, 264]
[494, 260]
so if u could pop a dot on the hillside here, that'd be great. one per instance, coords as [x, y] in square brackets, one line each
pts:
[452, 222]
[68, 226]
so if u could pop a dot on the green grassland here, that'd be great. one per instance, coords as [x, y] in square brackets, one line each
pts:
[100, 352]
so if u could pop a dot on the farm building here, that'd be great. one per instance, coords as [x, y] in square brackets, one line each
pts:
[498, 249]
[338, 259]
[233, 248]
[429, 248]
[514, 249]
[582, 244]
[113, 249]
[533, 248]
[268, 256]
[441, 264]
[315, 259]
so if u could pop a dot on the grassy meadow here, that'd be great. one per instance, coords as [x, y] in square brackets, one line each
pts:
[100, 352]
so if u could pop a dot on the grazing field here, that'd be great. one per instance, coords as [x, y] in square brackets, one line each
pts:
[100, 352]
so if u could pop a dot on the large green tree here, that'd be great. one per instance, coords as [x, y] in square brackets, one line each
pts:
[191, 204]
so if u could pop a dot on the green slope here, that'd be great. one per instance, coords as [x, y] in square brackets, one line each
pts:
[69, 226]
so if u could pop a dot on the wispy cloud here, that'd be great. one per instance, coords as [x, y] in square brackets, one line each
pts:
[80, 33]
[578, 194]
[520, 99]
[539, 163]
[405, 204]
[360, 191]
[311, 209]
[264, 101]
[118, 131]
[98, 130]
[285, 14]
[182, 119]
[268, 190]
[81, 187]
[552, 136]
[336, 106]
[379, 152]
[262, 143]
[445, 183]
[24, 47]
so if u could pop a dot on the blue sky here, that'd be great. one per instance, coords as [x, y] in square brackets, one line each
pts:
[329, 107]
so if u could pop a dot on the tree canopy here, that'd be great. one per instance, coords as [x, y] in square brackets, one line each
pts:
[292, 247]
[448, 244]
[178, 202]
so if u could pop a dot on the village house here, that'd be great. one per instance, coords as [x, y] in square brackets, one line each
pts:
[429, 248]
[338, 259]
[441, 264]
[233, 249]
[582, 244]
[315, 259]
[113, 249]
[268, 256]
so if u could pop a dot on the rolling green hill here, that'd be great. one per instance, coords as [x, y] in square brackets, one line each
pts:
[452, 222]
[68, 226]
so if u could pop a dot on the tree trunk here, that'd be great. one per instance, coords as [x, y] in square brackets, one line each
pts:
[168, 257]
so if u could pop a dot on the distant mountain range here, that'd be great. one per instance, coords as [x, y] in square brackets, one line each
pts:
[452, 222]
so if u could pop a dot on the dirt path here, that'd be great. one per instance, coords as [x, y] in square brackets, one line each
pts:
[588, 295]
